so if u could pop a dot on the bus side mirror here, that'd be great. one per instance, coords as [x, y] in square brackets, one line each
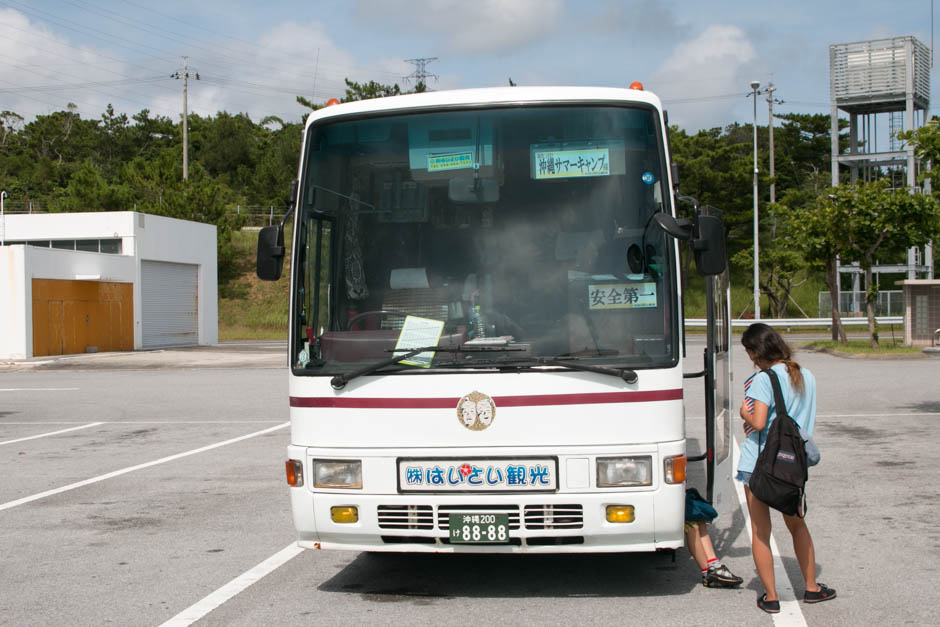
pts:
[708, 245]
[270, 253]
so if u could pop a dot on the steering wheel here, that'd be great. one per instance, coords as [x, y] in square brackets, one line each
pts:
[372, 314]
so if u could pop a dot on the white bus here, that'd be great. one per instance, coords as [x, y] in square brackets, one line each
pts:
[486, 329]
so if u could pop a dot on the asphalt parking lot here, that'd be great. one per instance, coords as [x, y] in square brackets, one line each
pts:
[142, 487]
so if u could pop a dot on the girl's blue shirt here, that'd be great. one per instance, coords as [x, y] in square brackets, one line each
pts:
[801, 407]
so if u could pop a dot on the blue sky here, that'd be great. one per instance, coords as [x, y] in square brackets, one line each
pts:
[255, 57]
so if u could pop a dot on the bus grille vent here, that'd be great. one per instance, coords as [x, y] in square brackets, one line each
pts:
[554, 517]
[405, 517]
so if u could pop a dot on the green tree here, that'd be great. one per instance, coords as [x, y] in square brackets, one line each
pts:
[87, 190]
[861, 222]
[158, 188]
[816, 225]
[783, 267]
[367, 91]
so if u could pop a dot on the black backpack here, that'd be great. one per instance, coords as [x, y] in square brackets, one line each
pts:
[781, 470]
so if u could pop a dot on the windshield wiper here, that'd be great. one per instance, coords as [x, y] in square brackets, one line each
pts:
[626, 374]
[339, 381]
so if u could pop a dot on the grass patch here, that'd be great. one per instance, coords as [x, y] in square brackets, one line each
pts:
[862, 347]
[249, 308]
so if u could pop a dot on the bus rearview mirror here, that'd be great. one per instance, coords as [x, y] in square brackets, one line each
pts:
[709, 245]
[270, 253]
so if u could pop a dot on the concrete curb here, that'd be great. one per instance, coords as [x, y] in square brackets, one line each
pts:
[220, 356]
[874, 356]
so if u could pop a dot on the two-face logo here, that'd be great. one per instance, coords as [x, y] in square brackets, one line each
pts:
[476, 411]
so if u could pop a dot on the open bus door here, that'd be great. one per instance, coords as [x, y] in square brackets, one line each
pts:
[718, 406]
[706, 233]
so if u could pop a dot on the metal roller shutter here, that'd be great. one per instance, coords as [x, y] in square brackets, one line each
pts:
[169, 303]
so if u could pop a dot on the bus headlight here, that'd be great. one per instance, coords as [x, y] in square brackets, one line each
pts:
[620, 472]
[337, 473]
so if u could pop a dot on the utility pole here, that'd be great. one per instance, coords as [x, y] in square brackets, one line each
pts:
[185, 74]
[755, 91]
[420, 75]
[771, 101]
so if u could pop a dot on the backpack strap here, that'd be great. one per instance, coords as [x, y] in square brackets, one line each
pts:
[779, 402]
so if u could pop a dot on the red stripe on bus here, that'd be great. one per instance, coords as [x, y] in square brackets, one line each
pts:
[534, 400]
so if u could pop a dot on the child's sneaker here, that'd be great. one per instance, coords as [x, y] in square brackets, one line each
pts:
[720, 577]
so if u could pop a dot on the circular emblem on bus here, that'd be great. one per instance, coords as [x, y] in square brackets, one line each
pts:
[648, 178]
[476, 411]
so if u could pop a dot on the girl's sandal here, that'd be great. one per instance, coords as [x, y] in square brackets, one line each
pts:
[823, 594]
[771, 607]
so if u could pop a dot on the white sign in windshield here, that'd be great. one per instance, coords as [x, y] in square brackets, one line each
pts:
[556, 164]
[622, 296]
[415, 333]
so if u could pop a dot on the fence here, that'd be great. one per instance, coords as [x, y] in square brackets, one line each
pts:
[890, 303]
[789, 323]
[21, 206]
[256, 216]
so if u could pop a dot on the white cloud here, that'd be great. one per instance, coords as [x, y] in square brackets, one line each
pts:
[42, 72]
[703, 70]
[482, 26]
[639, 20]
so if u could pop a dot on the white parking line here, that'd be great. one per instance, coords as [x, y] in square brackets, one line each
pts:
[124, 471]
[148, 422]
[790, 612]
[42, 435]
[38, 389]
[199, 609]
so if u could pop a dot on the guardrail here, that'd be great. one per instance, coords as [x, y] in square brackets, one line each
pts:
[802, 322]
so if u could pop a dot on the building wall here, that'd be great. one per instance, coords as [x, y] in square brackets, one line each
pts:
[921, 311]
[21, 264]
[180, 241]
[144, 237]
[40, 226]
[15, 342]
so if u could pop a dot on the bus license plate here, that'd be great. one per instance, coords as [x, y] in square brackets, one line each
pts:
[479, 528]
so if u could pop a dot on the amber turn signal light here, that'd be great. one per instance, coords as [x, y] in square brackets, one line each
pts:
[295, 473]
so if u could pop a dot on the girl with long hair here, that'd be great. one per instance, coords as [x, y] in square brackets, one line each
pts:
[767, 349]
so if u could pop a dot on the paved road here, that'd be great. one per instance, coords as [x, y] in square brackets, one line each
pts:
[135, 486]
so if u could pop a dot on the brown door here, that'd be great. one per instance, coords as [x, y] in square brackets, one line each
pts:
[73, 316]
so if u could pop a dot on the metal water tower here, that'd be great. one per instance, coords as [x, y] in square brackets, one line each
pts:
[885, 80]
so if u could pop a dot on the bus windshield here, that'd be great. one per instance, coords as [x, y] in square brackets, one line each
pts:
[526, 230]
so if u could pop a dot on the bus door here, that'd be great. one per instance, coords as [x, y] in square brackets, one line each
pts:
[718, 405]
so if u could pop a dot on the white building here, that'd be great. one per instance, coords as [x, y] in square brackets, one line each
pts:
[85, 282]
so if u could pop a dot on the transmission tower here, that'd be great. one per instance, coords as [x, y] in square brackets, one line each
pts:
[420, 75]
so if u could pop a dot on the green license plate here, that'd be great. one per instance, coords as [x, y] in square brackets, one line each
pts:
[479, 528]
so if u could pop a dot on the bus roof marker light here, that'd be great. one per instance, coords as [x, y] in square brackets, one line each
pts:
[637, 85]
